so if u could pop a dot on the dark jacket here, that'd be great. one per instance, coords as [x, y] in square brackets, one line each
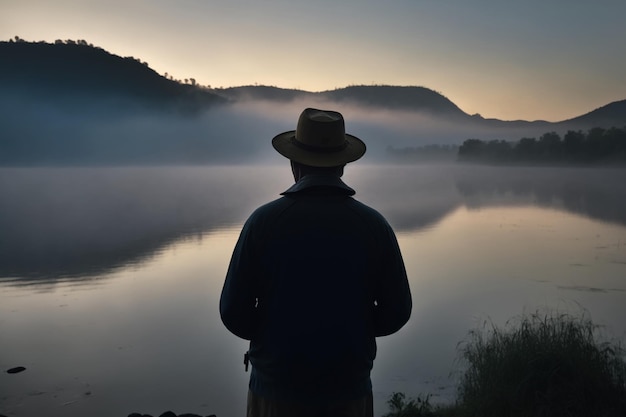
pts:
[314, 278]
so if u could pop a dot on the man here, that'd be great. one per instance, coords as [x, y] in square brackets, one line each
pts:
[314, 278]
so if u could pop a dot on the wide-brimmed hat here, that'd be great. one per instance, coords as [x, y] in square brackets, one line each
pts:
[320, 140]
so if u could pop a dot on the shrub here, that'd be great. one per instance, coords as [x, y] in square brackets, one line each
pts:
[401, 407]
[547, 365]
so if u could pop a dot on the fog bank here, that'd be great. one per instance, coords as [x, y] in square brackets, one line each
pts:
[84, 131]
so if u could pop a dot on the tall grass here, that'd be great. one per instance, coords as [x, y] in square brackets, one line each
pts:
[400, 406]
[542, 365]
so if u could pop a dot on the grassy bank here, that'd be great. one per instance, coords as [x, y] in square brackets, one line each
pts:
[538, 365]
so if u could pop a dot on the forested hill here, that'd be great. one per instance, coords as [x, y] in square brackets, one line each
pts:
[75, 68]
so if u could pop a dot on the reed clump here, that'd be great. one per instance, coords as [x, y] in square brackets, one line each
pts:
[542, 364]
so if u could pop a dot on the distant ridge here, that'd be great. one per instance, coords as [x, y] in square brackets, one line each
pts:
[263, 92]
[380, 96]
[426, 101]
[612, 114]
[396, 97]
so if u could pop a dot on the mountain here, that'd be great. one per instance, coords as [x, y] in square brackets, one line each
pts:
[76, 69]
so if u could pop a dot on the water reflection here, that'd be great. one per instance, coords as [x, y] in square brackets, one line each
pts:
[598, 193]
[78, 223]
[75, 223]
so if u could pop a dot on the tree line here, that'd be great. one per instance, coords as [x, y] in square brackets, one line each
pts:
[84, 43]
[596, 146]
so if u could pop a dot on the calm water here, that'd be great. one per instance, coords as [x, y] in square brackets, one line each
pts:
[110, 277]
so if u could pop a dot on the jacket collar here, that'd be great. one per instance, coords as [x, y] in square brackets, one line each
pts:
[310, 181]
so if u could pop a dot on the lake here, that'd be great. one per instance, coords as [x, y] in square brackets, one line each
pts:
[110, 277]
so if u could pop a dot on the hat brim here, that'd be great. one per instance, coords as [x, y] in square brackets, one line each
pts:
[284, 145]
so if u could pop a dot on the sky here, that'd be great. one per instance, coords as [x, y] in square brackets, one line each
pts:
[532, 59]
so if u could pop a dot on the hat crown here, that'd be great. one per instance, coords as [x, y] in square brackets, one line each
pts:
[320, 140]
[321, 129]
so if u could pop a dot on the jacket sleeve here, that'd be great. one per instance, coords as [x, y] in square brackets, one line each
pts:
[393, 302]
[238, 298]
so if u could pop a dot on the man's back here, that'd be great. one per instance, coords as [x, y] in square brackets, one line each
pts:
[328, 278]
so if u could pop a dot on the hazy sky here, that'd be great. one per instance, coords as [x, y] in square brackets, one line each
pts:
[530, 59]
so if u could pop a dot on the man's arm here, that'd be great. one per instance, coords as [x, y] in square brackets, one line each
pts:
[393, 295]
[238, 299]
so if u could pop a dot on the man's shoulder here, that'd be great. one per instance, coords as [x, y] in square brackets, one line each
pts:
[272, 206]
[365, 210]
[269, 210]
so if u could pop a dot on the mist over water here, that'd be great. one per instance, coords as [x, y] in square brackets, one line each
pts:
[81, 130]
